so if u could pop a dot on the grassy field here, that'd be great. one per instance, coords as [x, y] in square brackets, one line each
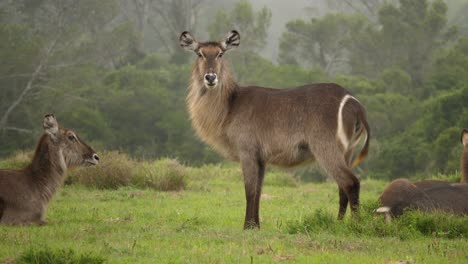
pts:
[203, 224]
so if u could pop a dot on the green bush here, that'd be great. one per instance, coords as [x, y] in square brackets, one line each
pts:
[46, 256]
[114, 170]
[162, 175]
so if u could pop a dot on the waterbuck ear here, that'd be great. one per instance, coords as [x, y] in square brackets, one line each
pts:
[187, 41]
[232, 40]
[50, 125]
[464, 137]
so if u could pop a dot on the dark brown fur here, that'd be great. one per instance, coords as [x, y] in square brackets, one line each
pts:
[25, 194]
[257, 126]
[429, 195]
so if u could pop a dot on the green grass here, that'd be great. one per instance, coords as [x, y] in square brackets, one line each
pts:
[47, 256]
[203, 224]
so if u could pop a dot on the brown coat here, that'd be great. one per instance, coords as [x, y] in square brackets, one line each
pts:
[427, 196]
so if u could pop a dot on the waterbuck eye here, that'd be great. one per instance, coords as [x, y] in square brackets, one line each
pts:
[220, 55]
[200, 55]
[71, 137]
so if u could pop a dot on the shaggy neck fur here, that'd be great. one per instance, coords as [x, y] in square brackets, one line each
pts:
[209, 108]
[48, 168]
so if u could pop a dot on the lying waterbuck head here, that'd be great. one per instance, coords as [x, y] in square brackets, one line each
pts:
[210, 65]
[75, 152]
[25, 194]
[257, 126]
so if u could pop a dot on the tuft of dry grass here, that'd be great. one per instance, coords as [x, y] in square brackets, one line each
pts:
[114, 170]
[163, 175]
[18, 160]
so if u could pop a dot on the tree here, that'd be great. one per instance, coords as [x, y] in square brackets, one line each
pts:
[408, 36]
[159, 22]
[457, 10]
[368, 8]
[253, 26]
[450, 68]
[404, 36]
[48, 37]
[321, 42]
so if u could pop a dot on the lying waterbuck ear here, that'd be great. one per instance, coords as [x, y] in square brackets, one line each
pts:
[50, 125]
[464, 137]
[188, 42]
[232, 40]
[385, 210]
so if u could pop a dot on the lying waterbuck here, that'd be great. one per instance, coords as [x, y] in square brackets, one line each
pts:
[286, 127]
[25, 194]
[428, 195]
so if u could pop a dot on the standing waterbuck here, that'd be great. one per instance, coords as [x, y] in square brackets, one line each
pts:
[428, 195]
[286, 127]
[25, 194]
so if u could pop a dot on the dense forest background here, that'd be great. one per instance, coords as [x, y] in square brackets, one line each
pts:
[113, 70]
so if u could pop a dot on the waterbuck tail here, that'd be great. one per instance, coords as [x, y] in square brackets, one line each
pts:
[365, 149]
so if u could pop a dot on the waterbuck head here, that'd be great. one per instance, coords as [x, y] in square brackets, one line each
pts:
[210, 65]
[75, 152]
[464, 137]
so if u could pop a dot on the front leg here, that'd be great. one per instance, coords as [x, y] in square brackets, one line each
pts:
[39, 217]
[253, 171]
[258, 193]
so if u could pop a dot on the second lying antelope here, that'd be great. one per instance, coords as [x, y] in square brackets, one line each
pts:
[428, 195]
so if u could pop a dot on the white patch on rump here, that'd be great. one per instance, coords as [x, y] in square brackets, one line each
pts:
[341, 134]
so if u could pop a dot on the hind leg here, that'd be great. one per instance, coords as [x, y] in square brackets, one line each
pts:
[353, 188]
[343, 196]
[352, 191]
[335, 165]
[343, 203]
[349, 192]
[258, 193]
